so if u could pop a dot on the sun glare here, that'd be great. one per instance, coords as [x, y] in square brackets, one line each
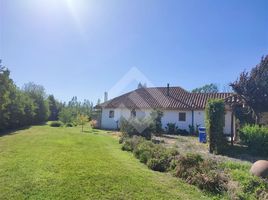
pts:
[51, 10]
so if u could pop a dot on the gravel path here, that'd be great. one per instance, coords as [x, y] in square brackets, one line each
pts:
[190, 144]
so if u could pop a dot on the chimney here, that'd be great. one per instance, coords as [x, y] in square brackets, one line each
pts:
[105, 96]
[168, 89]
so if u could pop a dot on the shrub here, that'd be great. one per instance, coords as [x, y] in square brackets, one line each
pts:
[56, 124]
[215, 120]
[156, 123]
[139, 127]
[202, 173]
[156, 156]
[158, 164]
[171, 128]
[69, 125]
[130, 144]
[94, 124]
[144, 151]
[250, 187]
[182, 132]
[256, 137]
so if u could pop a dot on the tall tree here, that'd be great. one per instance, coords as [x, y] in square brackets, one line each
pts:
[53, 108]
[208, 88]
[252, 87]
[37, 93]
[5, 100]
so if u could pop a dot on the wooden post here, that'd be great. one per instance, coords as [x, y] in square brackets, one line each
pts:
[232, 129]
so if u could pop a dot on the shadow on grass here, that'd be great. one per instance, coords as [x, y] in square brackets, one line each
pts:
[91, 131]
[14, 131]
[242, 152]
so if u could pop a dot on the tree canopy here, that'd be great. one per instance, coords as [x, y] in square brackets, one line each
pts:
[252, 87]
[208, 88]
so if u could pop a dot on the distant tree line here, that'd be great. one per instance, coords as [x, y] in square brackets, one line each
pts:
[31, 105]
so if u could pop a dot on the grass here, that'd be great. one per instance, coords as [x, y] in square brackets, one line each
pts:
[44, 162]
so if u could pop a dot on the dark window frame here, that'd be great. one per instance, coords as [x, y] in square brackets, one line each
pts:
[182, 116]
[111, 114]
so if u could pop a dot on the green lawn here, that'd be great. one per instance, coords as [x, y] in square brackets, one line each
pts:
[62, 163]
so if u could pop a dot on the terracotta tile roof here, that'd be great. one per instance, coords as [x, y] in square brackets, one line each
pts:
[159, 98]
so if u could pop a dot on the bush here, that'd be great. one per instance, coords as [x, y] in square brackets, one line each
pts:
[94, 124]
[215, 120]
[56, 124]
[171, 128]
[159, 164]
[156, 156]
[202, 173]
[129, 144]
[256, 138]
[69, 125]
[156, 122]
[249, 187]
[182, 132]
[139, 127]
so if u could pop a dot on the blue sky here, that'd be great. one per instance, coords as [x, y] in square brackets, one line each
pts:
[83, 48]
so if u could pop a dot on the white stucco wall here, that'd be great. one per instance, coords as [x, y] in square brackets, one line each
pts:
[172, 116]
[169, 116]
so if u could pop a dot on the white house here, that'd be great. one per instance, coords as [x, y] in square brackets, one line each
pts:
[179, 106]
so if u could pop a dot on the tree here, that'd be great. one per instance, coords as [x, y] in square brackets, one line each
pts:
[82, 120]
[252, 88]
[208, 88]
[37, 93]
[16, 107]
[215, 119]
[156, 116]
[5, 101]
[66, 116]
[53, 108]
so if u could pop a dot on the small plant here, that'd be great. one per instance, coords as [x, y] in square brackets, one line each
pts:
[56, 124]
[82, 120]
[171, 128]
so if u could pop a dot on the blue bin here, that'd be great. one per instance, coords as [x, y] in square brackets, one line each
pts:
[202, 134]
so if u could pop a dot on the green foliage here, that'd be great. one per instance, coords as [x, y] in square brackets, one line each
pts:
[155, 156]
[73, 110]
[139, 127]
[209, 88]
[214, 125]
[256, 137]
[54, 108]
[156, 125]
[82, 120]
[17, 108]
[37, 93]
[56, 124]
[251, 187]
[253, 88]
[171, 128]
[202, 173]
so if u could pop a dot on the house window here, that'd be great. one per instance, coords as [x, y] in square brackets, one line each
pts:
[111, 114]
[133, 113]
[182, 116]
